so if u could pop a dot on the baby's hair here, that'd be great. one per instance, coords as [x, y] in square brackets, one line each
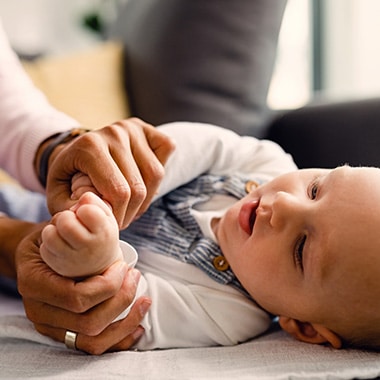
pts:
[371, 342]
[363, 336]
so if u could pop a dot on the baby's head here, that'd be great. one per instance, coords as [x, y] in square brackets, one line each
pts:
[306, 246]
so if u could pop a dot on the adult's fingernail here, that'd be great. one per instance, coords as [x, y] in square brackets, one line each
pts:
[73, 196]
[138, 332]
[144, 307]
[136, 275]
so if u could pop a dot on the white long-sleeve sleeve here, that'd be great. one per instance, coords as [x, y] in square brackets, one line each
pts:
[26, 118]
[189, 309]
[204, 148]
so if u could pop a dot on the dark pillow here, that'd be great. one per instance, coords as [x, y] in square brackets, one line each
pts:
[200, 60]
[327, 134]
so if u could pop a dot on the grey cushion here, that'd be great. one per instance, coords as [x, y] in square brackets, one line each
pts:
[200, 60]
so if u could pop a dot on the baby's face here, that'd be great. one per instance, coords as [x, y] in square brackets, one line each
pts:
[307, 244]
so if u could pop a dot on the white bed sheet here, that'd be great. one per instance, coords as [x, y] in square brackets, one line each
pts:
[26, 354]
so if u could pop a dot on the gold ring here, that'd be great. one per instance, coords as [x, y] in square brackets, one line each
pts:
[71, 339]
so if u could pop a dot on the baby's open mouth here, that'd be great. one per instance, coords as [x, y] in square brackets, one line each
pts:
[252, 219]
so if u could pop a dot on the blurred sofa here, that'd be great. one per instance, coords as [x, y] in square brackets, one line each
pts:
[208, 61]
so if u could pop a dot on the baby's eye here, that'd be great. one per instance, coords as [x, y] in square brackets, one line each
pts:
[313, 190]
[298, 251]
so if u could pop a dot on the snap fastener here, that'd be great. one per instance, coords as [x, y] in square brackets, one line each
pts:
[250, 185]
[220, 263]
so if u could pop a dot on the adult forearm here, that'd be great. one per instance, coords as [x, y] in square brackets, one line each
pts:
[26, 118]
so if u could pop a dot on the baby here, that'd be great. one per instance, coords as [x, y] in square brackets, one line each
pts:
[303, 246]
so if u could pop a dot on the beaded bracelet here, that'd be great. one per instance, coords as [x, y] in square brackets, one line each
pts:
[57, 139]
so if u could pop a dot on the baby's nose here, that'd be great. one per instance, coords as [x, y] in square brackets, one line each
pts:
[285, 208]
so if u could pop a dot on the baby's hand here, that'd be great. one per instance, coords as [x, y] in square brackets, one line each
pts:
[82, 241]
[80, 184]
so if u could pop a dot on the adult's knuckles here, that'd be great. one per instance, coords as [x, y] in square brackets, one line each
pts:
[117, 131]
[154, 172]
[77, 302]
[138, 192]
[121, 192]
[132, 122]
[90, 325]
[42, 329]
[87, 146]
[22, 286]
[33, 314]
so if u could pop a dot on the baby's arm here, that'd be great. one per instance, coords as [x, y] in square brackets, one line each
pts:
[204, 148]
[82, 241]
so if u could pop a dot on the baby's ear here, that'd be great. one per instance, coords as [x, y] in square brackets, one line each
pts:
[309, 332]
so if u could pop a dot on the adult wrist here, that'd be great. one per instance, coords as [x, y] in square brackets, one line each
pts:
[47, 147]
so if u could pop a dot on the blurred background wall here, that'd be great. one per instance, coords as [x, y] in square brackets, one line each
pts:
[327, 47]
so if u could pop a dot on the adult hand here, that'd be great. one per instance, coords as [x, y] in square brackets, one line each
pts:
[124, 162]
[56, 304]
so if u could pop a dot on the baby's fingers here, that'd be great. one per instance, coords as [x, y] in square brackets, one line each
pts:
[71, 230]
[80, 184]
[52, 242]
[89, 198]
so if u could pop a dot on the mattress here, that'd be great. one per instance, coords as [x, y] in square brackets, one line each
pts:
[26, 354]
